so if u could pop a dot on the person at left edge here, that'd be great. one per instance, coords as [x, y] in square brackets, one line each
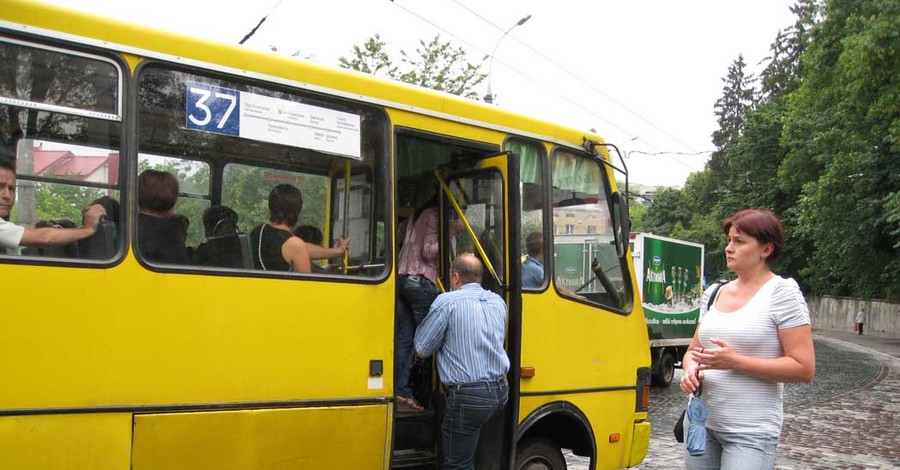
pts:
[467, 326]
[12, 236]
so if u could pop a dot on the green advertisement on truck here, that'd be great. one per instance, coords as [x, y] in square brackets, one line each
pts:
[670, 277]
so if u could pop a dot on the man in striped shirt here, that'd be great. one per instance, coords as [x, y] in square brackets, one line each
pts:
[468, 327]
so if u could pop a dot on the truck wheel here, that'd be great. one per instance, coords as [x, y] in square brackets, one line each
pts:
[666, 370]
[539, 454]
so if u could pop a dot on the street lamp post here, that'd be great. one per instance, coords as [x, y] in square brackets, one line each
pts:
[489, 97]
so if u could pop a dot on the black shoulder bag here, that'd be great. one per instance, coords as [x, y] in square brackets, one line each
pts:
[679, 425]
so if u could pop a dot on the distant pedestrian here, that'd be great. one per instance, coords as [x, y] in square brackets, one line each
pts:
[860, 319]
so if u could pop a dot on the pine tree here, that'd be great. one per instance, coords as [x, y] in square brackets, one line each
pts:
[732, 108]
[782, 73]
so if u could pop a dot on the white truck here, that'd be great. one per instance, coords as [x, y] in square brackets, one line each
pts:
[670, 278]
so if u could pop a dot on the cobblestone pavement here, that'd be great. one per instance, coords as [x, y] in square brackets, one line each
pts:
[846, 419]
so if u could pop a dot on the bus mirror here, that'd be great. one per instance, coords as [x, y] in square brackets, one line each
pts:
[622, 223]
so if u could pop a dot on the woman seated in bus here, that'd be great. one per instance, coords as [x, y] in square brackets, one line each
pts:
[273, 245]
[160, 237]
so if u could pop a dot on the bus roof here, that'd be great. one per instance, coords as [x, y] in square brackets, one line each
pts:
[54, 21]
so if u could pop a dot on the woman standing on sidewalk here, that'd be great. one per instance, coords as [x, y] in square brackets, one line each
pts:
[754, 337]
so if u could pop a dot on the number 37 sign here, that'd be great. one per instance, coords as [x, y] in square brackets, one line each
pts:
[211, 108]
[221, 110]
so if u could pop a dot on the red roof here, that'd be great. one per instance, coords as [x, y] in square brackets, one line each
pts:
[82, 167]
[47, 159]
[65, 163]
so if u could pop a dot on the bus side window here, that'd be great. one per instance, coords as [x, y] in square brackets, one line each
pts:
[531, 173]
[586, 265]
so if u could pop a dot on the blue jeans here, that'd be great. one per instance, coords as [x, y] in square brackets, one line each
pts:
[469, 407]
[734, 451]
[414, 297]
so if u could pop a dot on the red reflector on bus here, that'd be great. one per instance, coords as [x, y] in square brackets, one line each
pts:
[614, 437]
[526, 372]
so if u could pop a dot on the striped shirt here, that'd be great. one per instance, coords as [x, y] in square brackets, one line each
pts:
[468, 328]
[740, 403]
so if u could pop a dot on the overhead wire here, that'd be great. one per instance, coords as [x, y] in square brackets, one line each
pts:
[517, 71]
[578, 78]
[669, 155]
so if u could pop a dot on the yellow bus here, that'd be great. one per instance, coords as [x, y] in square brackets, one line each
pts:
[113, 358]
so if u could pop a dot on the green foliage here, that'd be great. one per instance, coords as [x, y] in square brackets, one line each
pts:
[435, 64]
[736, 101]
[668, 209]
[63, 201]
[638, 213]
[843, 131]
[820, 148]
[370, 58]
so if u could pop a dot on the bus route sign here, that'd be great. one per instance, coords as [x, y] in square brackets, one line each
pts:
[221, 110]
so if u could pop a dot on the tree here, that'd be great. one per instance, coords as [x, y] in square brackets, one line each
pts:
[435, 64]
[843, 140]
[781, 75]
[667, 210]
[370, 58]
[637, 211]
[732, 108]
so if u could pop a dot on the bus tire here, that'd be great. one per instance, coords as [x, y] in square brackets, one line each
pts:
[539, 454]
[666, 370]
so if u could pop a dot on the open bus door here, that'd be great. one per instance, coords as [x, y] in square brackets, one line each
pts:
[481, 207]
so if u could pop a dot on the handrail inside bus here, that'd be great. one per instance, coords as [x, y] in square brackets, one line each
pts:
[345, 260]
[469, 230]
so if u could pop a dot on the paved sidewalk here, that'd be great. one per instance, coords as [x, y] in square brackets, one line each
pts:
[861, 431]
[884, 345]
[843, 424]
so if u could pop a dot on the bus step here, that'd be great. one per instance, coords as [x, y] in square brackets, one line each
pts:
[412, 459]
[415, 431]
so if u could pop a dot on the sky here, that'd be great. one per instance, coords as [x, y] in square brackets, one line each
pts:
[645, 74]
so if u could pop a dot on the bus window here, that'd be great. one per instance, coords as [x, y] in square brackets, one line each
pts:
[531, 155]
[60, 125]
[254, 137]
[586, 265]
[480, 198]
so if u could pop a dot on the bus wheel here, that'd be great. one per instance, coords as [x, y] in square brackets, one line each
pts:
[666, 370]
[539, 454]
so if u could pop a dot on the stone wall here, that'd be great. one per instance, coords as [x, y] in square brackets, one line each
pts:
[839, 313]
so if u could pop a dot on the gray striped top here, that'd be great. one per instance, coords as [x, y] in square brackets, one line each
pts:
[468, 328]
[737, 402]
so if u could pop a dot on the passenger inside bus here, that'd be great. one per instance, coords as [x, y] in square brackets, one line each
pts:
[222, 247]
[111, 205]
[104, 243]
[417, 272]
[533, 266]
[160, 237]
[274, 246]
